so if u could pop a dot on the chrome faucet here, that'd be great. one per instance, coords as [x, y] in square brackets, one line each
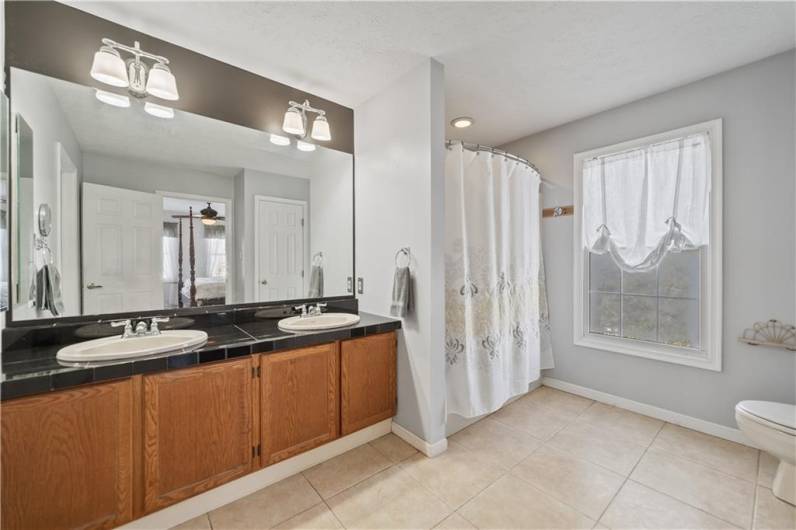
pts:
[302, 309]
[141, 329]
[316, 309]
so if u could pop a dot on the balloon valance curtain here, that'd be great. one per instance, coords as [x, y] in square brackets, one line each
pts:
[640, 204]
[492, 259]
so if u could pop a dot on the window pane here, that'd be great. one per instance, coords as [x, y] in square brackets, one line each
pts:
[679, 322]
[640, 317]
[640, 282]
[603, 273]
[680, 274]
[604, 313]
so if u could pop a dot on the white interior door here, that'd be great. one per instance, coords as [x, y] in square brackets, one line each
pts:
[122, 231]
[279, 248]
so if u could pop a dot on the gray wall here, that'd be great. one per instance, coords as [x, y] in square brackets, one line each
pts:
[756, 103]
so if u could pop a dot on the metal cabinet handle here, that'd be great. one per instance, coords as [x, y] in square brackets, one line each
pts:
[93, 285]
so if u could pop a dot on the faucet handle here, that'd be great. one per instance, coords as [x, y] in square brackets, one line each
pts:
[128, 326]
[153, 324]
[301, 308]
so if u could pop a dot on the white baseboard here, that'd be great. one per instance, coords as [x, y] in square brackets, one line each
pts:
[429, 449]
[237, 489]
[696, 424]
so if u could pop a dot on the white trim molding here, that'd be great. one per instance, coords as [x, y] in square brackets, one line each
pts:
[709, 356]
[237, 489]
[696, 424]
[429, 449]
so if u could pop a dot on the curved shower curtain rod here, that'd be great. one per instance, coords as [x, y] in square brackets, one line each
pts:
[496, 151]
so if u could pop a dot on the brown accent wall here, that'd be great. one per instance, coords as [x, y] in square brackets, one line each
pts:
[60, 41]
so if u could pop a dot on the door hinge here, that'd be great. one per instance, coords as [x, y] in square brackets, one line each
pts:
[255, 450]
[302, 222]
[302, 273]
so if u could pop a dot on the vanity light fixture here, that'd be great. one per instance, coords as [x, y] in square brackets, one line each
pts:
[278, 139]
[110, 98]
[159, 111]
[295, 122]
[305, 146]
[138, 77]
[462, 122]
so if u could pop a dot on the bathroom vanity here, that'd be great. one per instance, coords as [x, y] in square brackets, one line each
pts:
[100, 454]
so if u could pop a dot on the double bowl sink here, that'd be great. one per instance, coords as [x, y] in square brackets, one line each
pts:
[175, 341]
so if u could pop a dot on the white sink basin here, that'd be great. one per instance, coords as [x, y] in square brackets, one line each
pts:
[314, 323]
[116, 347]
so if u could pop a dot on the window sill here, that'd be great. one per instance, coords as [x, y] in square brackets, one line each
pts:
[651, 351]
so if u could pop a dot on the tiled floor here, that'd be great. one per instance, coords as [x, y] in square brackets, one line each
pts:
[548, 460]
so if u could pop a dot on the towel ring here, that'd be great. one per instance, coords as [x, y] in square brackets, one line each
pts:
[404, 251]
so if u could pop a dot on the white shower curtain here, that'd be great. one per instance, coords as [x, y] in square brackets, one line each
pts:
[492, 259]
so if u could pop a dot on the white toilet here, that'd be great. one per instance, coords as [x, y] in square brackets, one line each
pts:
[772, 427]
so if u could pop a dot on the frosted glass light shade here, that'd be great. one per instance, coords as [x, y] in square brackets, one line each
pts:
[293, 122]
[159, 111]
[278, 139]
[320, 129]
[305, 146]
[161, 83]
[116, 100]
[108, 67]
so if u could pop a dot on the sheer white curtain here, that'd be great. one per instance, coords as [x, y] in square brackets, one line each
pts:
[492, 260]
[642, 203]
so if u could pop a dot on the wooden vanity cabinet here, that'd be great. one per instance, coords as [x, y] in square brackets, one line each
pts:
[367, 381]
[198, 430]
[299, 401]
[67, 458]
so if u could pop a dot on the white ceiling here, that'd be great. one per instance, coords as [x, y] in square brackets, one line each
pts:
[516, 67]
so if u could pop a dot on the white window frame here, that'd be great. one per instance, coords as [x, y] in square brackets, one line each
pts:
[710, 357]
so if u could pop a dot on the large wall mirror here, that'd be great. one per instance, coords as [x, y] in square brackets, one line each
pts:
[120, 210]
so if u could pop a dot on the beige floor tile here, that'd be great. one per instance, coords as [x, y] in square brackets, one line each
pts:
[731, 458]
[390, 499]
[456, 475]
[726, 497]
[637, 506]
[319, 517]
[772, 513]
[768, 468]
[341, 472]
[539, 421]
[496, 442]
[395, 449]
[512, 503]
[624, 423]
[598, 446]
[585, 486]
[454, 522]
[197, 523]
[564, 403]
[267, 507]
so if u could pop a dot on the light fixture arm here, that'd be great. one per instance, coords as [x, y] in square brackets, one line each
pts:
[304, 108]
[135, 50]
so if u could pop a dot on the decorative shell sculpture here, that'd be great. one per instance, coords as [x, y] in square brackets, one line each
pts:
[771, 333]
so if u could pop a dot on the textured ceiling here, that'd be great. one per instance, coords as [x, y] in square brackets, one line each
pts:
[517, 68]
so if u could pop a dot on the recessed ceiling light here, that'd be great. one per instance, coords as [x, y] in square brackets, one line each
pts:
[278, 139]
[116, 100]
[462, 122]
[305, 146]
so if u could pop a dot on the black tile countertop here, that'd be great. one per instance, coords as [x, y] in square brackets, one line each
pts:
[35, 369]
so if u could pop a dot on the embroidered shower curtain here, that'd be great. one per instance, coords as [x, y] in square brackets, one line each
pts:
[492, 259]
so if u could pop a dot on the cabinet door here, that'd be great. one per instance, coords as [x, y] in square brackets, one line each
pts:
[67, 459]
[299, 401]
[197, 430]
[368, 376]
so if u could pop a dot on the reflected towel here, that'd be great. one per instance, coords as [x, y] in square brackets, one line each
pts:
[46, 291]
[316, 282]
[401, 293]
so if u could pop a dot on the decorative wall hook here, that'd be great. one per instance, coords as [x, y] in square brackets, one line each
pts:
[772, 333]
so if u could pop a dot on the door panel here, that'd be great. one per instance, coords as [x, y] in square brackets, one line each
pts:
[122, 234]
[67, 459]
[280, 249]
[368, 381]
[197, 430]
[299, 401]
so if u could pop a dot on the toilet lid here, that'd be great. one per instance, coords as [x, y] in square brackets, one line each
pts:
[781, 414]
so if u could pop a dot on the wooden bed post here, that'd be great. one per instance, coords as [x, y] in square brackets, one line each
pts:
[179, 264]
[192, 256]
